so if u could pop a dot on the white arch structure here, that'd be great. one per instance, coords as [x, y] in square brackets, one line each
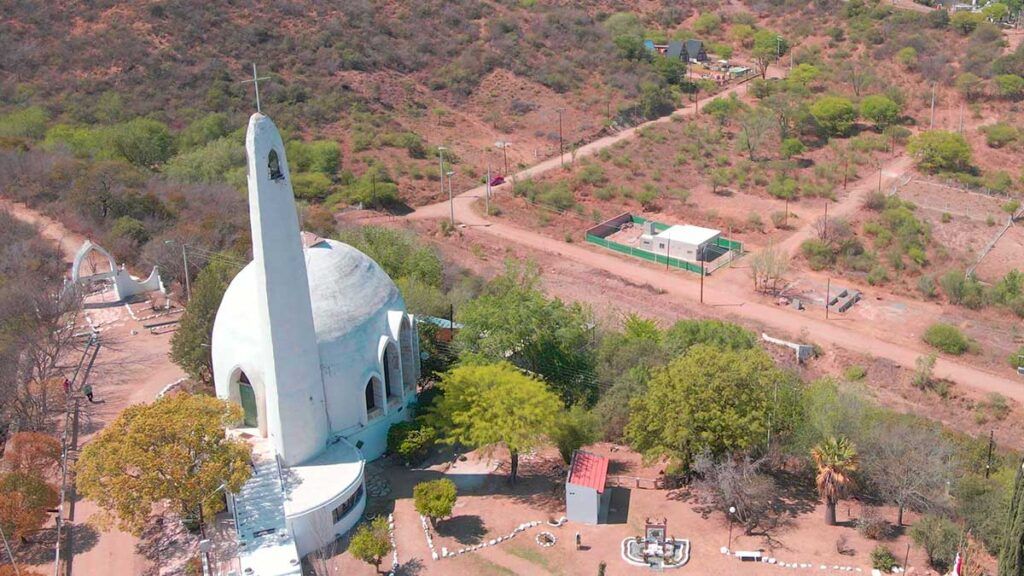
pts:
[125, 286]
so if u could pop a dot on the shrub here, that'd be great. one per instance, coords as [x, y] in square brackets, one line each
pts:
[834, 114]
[1000, 134]
[938, 150]
[311, 185]
[939, 538]
[880, 110]
[883, 559]
[926, 286]
[411, 441]
[1017, 358]
[855, 373]
[878, 276]
[872, 525]
[791, 147]
[435, 499]
[27, 123]
[1010, 86]
[947, 338]
[818, 254]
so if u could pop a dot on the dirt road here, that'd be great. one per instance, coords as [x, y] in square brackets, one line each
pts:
[884, 338]
[67, 241]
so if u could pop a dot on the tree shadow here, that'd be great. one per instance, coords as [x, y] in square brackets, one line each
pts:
[464, 529]
[797, 493]
[411, 568]
[165, 540]
[40, 546]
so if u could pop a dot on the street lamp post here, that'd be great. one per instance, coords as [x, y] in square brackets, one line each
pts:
[440, 163]
[561, 148]
[504, 144]
[451, 199]
[732, 513]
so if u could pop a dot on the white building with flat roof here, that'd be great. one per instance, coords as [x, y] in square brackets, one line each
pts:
[683, 242]
[313, 341]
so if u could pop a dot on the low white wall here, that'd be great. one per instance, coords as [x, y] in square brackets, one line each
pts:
[314, 529]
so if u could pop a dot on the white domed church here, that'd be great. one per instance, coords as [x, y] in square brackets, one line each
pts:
[313, 341]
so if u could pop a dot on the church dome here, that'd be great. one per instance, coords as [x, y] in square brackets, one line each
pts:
[347, 289]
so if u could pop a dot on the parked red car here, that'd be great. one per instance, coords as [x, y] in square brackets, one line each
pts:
[497, 180]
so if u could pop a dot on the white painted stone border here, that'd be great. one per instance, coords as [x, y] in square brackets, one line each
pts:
[809, 566]
[394, 545]
[445, 553]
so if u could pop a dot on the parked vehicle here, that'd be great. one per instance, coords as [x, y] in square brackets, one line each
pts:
[497, 180]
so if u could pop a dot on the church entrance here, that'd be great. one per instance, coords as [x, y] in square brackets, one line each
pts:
[247, 398]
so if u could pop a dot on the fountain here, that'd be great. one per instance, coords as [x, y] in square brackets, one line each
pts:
[655, 549]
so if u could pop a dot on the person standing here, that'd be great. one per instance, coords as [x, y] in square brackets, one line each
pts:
[67, 387]
[87, 390]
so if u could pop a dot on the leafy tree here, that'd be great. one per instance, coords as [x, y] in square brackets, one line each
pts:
[575, 428]
[803, 75]
[205, 130]
[371, 542]
[947, 338]
[1000, 134]
[190, 345]
[411, 440]
[711, 399]
[724, 109]
[312, 186]
[685, 334]
[656, 100]
[320, 156]
[513, 320]
[834, 114]
[172, 452]
[143, 142]
[671, 70]
[898, 451]
[768, 46]
[939, 150]
[996, 11]
[907, 57]
[398, 252]
[707, 23]
[130, 229]
[880, 110]
[1011, 557]
[215, 161]
[627, 31]
[836, 461]
[624, 362]
[374, 188]
[970, 85]
[965, 22]
[32, 452]
[981, 502]
[25, 498]
[435, 499]
[486, 405]
[27, 123]
[1010, 86]
[939, 537]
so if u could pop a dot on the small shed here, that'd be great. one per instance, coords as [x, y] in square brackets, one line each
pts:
[683, 242]
[586, 497]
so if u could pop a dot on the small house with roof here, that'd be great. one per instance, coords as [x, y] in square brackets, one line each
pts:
[586, 496]
[689, 51]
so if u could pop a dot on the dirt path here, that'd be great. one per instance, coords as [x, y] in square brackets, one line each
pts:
[67, 241]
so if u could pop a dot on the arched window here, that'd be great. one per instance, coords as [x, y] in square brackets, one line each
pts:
[274, 165]
[371, 396]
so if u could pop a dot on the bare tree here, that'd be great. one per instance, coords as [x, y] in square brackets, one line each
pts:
[740, 484]
[757, 128]
[768, 269]
[909, 463]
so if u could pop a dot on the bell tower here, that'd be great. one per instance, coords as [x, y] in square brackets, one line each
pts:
[296, 417]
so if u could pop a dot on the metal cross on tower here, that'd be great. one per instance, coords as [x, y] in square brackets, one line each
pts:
[256, 83]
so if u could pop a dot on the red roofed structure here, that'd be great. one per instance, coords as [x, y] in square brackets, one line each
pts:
[589, 470]
[586, 499]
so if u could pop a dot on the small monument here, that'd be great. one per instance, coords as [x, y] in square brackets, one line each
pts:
[125, 285]
[656, 549]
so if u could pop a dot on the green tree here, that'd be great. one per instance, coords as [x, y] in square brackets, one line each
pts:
[791, 147]
[1010, 86]
[130, 229]
[881, 110]
[939, 538]
[1011, 557]
[172, 452]
[834, 114]
[25, 498]
[371, 542]
[399, 253]
[941, 151]
[27, 123]
[804, 74]
[321, 156]
[947, 338]
[143, 142]
[970, 85]
[996, 11]
[656, 100]
[215, 161]
[576, 428]
[965, 22]
[513, 320]
[707, 23]
[768, 46]
[836, 461]
[907, 57]
[486, 405]
[190, 345]
[205, 130]
[711, 399]
[685, 334]
[435, 499]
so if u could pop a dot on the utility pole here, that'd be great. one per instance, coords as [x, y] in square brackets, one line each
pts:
[504, 144]
[188, 284]
[702, 281]
[824, 230]
[961, 130]
[561, 148]
[988, 459]
[451, 198]
[828, 295]
[440, 161]
[487, 198]
[879, 178]
[846, 171]
[931, 125]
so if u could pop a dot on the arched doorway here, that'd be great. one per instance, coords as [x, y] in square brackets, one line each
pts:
[247, 398]
[374, 399]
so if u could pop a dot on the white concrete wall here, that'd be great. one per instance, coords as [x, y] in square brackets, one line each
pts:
[314, 529]
[582, 504]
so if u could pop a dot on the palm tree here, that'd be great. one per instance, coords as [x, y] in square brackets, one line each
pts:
[836, 459]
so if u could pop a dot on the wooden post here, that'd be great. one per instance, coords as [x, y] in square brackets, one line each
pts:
[828, 295]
